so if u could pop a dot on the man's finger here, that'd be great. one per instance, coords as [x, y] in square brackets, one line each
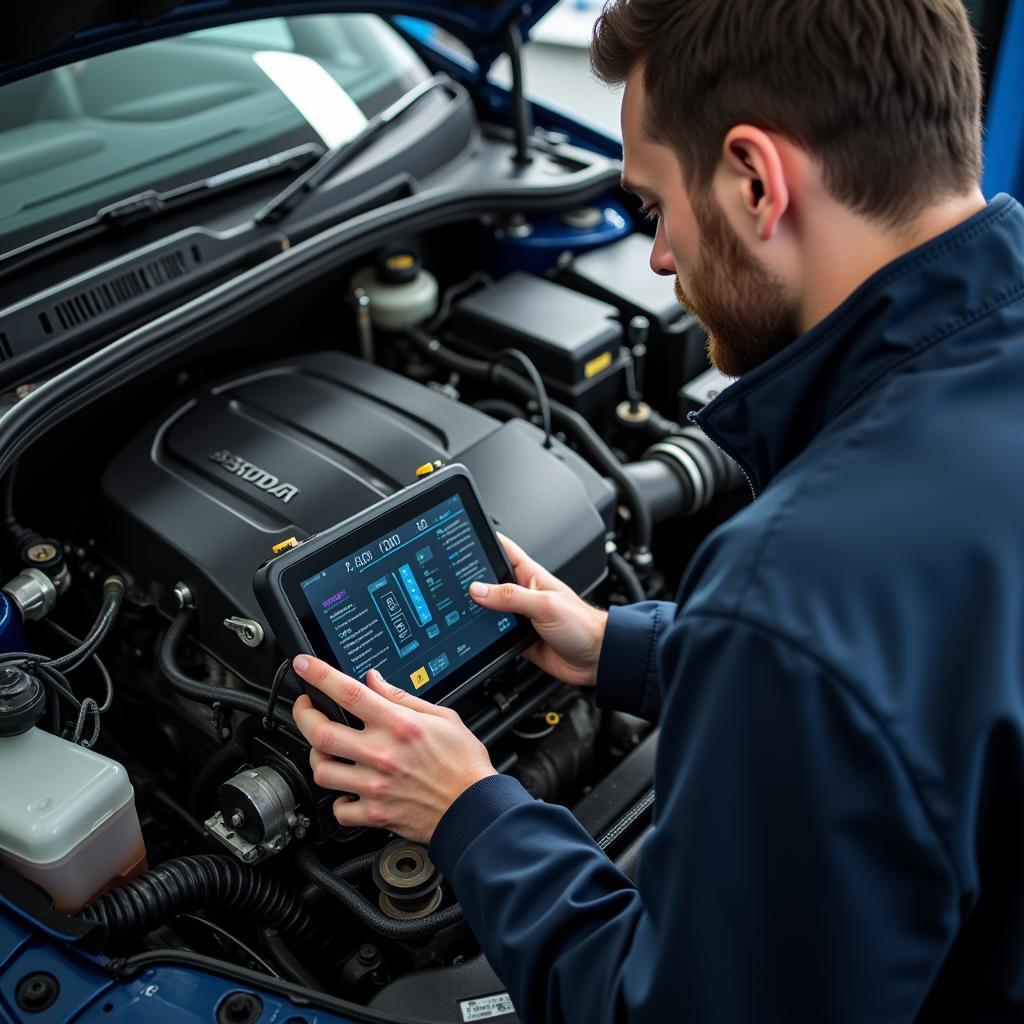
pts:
[510, 597]
[351, 694]
[358, 813]
[401, 697]
[329, 773]
[528, 571]
[323, 734]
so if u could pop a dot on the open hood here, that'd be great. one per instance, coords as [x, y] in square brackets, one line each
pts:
[49, 33]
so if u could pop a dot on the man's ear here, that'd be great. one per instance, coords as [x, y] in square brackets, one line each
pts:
[755, 168]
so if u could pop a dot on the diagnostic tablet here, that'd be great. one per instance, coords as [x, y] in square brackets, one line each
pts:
[389, 589]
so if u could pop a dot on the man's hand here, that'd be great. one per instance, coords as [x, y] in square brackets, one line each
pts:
[411, 761]
[570, 630]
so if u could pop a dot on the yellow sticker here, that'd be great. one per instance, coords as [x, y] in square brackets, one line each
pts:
[284, 545]
[419, 677]
[402, 261]
[594, 366]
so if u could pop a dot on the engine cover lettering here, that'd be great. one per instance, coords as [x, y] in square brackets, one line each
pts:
[254, 475]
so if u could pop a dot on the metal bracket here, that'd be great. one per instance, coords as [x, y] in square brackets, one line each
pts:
[249, 631]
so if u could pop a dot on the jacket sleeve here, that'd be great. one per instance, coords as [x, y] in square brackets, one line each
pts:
[793, 873]
[627, 671]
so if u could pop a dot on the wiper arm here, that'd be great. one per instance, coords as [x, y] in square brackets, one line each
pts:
[336, 158]
[150, 203]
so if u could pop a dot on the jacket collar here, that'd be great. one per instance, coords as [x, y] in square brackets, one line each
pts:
[770, 415]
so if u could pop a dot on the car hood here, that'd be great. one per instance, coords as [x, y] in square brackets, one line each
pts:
[49, 33]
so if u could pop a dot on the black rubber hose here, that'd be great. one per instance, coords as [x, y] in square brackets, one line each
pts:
[591, 444]
[593, 448]
[286, 962]
[629, 579]
[192, 689]
[364, 911]
[349, 869]
[203, 882]
[501, 408]
[113, 597]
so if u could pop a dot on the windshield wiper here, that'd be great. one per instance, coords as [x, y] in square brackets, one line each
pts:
[150, 203]
[336, 158]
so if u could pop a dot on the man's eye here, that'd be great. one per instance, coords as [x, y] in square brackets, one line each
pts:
[651, 213]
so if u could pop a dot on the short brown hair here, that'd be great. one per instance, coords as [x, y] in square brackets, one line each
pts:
[885, 94]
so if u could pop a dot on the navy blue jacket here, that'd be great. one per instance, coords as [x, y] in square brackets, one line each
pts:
[840, 775]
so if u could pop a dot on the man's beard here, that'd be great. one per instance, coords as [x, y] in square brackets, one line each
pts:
[742, 306]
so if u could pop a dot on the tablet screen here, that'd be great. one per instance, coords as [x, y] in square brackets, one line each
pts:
[398, 601]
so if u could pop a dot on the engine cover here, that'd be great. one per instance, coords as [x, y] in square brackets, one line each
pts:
[204, 493]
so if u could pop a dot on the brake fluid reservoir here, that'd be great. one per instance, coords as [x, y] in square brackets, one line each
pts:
[67, 818]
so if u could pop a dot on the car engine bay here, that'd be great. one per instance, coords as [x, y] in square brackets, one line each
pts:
[133, 530]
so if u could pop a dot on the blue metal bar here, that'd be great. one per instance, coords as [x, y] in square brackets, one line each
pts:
[1004, 130]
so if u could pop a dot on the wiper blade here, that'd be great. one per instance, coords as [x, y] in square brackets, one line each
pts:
[150, 203]
[336, 158]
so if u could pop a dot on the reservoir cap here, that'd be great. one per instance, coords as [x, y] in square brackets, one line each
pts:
[22, 701]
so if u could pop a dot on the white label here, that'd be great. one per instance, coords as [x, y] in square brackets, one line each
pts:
[486, 1007]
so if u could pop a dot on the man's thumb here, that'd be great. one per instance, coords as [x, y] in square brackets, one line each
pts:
[507, 597]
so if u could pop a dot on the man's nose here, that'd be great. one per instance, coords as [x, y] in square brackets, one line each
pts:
[661, 256]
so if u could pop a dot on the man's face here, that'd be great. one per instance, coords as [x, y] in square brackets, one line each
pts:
[744, 308]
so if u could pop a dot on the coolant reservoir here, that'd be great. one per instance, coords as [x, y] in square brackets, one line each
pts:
[401, 293]
[67, 818]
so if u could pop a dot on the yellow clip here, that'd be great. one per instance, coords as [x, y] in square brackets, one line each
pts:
[284, 545]
[594, 366]
[552, 718]
[425, 470]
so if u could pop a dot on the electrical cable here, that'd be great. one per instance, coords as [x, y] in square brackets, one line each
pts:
[543, 404]
[101, 668]
[591, 445]
[224, 935]
[629, 579]
[275, 690]
[53, 672]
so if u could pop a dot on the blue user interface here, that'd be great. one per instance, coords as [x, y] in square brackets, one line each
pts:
[401, 604]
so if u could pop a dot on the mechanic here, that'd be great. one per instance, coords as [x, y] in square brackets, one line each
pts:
[839, 830]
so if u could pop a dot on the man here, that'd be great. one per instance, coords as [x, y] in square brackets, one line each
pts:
[839, 832]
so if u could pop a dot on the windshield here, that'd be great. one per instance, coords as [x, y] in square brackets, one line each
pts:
[165, 113]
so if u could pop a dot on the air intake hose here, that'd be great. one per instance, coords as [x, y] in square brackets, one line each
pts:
[203, 882]
[682, 473]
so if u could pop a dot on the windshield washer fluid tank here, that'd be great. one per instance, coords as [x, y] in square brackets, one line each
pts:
[67, 818]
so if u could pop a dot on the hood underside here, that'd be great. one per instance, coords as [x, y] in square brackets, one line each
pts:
[50, 33]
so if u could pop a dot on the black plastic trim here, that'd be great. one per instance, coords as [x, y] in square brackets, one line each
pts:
[112, 367]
